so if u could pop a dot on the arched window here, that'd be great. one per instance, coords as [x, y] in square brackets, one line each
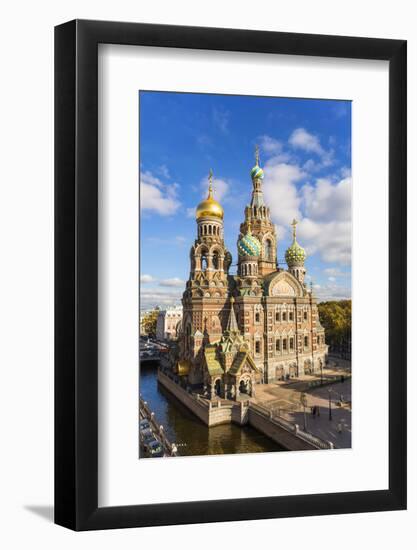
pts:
[216, 260]
[203, 261]
[187, 337]
[268, 249]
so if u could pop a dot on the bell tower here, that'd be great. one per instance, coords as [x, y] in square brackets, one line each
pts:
[257, 215]
[206, 291]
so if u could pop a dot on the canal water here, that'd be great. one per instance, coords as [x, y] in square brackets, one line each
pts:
[191, 436]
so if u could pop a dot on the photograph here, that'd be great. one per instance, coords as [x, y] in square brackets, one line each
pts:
[245, 274]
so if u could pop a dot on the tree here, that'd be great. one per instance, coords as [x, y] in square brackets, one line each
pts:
[149, 321]
[336, 318]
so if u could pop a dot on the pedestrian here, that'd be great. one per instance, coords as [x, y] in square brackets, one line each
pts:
[339, 427]
[318, 410]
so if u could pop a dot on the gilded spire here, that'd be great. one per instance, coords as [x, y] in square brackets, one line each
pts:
[210, 190]
[294, 229]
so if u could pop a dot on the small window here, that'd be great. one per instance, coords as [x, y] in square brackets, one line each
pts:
[305, 316]
[277, 345]
[291, 316]
[291, 343]
[277, 316]
[306, 341]
[284, 344]
[257, 317]
[257, 347]
[284, 316]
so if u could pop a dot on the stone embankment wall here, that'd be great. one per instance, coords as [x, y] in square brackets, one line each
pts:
[214, 413]
[210, 415]
[277, 433]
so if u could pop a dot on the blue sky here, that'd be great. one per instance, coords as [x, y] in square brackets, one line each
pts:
[305, 148]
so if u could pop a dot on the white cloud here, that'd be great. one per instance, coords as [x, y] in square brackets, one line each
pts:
[144, 279]
[301, 139]
[331, 240]
[191, 212]
[270, 145]
[163, 170]
[326, 201]
[335, 272]
[220, 190]
[280, 191]
[332, 291]
[157, 196]
[310, 143]
[221, 119]
[150, 298]
[175, 281]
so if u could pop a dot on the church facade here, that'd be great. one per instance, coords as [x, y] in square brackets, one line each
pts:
[258, 326]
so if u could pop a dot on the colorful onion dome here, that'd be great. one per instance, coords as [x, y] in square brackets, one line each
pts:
[295, 255]
[209, 207]
[249, 245]
[257, 172]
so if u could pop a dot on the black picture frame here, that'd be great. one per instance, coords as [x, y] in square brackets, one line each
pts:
[76, 272]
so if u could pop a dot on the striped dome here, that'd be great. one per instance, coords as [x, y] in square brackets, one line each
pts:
[249, 245]
[257, 172]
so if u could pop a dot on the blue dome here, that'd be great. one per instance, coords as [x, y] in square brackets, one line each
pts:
[257, 172]
[249, 245]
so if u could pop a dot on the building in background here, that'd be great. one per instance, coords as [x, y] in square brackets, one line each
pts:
[168, 323]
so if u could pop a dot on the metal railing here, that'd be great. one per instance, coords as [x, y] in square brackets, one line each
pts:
[170, 448]
[291, 427]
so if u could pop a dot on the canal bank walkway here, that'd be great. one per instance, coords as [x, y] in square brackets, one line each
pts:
[285, 401]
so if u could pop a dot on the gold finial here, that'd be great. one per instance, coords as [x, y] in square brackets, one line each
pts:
[294, 226]
[210, 178]
[249, 231]
[257, 154]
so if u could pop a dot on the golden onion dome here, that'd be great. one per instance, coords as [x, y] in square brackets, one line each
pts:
[209, 206]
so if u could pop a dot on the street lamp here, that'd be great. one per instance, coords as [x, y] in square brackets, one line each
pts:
[330, 403]
[303, 399]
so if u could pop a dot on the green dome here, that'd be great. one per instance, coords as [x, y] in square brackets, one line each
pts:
[249, 245]
[257, 172]
[295, 254]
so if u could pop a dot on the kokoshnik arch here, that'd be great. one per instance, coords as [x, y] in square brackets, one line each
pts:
[258, 326]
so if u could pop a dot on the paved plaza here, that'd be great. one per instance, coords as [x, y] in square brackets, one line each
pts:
[284, 399]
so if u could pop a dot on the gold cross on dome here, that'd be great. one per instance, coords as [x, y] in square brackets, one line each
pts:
[257, 154]
[294, 226]
[210, 178]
